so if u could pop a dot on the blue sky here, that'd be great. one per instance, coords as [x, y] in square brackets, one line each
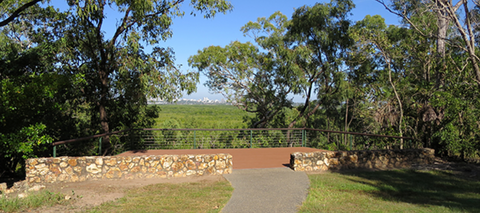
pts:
[191, 34]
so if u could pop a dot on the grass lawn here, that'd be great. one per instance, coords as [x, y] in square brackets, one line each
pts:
[392, 191]
[380, 191]
[185, 197]
[32, 201]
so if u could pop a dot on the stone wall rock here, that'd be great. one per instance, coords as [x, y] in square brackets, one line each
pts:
[77, 169]
[376, 159]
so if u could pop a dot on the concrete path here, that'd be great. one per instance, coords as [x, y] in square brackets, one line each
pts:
[266, 190]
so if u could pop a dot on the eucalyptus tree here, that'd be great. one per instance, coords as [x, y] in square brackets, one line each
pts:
[378, 44]
[319, 39]
[450, 80]
[119, 73]
[248, 76]
[302, 56]
[448, 14]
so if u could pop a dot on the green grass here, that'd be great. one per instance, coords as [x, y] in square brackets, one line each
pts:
[185, 197]
[32, 201]
[392, 191]
[202, 116]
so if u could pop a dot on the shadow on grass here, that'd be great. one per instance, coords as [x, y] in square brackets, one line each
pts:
[439, 188]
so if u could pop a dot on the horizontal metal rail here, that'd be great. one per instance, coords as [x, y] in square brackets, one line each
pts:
[205, 139]
[362, 134]
[154, 138]
[252, 129]
[87, 138]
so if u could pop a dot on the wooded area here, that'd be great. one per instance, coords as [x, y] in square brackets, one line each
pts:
[62, 77]
[418, 79]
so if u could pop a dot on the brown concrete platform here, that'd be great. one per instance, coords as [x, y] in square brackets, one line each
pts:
[254, 158]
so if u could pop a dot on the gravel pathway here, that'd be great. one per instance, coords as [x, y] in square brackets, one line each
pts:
[266, 190]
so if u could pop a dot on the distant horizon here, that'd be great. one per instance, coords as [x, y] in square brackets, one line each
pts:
[205, 99]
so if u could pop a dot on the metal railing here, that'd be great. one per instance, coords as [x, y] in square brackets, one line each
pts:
[218, 138]
[147, 138]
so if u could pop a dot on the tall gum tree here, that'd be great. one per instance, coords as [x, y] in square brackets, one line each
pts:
[319, 38]
[455, 68]
[250, 78]
[456, 15]
[117, 69]
[377, 42]
[301, 56]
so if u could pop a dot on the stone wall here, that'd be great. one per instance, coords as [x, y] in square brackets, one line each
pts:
[75, 169]
[377, 159]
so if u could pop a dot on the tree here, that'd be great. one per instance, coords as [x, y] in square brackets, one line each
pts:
[301, 56]
[447, 79]
[377, 42]
[33, 95]
[248, 77]
[320, 38]
[445, 13]
[117, 70]
[62, 78]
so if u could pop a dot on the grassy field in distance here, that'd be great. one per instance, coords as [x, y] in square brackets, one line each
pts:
[201, 116]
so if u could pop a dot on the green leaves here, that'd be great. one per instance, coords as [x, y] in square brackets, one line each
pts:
[294, 56]
[26, 143]
[60, 68]
[211, 7]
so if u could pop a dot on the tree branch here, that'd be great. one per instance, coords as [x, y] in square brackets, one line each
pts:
[17, 12]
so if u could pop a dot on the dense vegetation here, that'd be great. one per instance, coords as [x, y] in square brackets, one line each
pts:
[63, 77]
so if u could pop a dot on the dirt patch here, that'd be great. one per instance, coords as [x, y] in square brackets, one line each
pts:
[85, 195]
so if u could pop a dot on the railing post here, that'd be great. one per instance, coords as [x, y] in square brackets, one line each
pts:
[251, 136]
[351, 136]
[100, 146]
[303, 137]
[54, 151]
[306, 139]
[194, 139]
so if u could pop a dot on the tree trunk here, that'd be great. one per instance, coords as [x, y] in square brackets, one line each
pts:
[400, 105]
[442, 22]
[106, 146]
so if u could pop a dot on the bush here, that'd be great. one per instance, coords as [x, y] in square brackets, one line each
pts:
[16, 147]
